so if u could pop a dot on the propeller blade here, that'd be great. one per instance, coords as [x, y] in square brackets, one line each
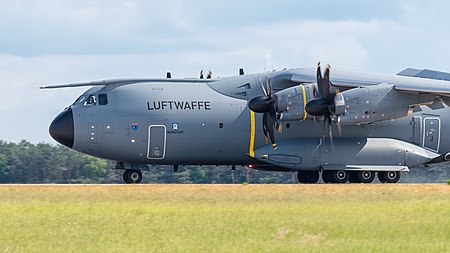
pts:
[264, 89]
[323, 127]
[264, 121]
[327, 123]
[323, 83]
[319, 72]
[268, 86]
[327, 73]
[330, 131]
[268, 128]
[279, 128]
[339, 127]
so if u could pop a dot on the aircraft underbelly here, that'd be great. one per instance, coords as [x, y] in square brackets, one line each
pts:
[348, 153]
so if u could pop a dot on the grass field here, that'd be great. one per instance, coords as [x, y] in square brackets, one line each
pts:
[225, 218]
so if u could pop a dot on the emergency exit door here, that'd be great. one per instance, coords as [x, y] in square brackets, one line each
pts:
[156, 142]
[432, 133]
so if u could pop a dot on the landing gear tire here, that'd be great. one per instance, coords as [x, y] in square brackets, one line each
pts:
[326, 176]
[338, 176]
[389, 177]
[365, 176]
[308, 176]
[132, 176]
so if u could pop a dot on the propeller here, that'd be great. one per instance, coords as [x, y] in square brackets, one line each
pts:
[268, 105]
[325, 104]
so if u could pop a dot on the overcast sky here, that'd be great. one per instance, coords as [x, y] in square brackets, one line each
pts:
[52, 42]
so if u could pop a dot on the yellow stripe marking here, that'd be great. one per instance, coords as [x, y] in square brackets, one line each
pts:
[252, 134]
[304, 102]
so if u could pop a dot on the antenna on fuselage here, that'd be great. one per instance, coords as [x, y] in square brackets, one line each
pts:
[169, 75]
[241, 72]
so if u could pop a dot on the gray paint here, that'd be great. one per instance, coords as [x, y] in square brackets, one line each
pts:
[217, 131]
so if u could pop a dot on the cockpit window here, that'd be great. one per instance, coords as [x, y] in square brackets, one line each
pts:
[102, 99]
[90, 101]
[80, 99]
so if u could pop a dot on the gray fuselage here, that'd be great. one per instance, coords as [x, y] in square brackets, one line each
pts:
[209, 123]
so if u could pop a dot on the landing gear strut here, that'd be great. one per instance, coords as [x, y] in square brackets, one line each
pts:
[132, 176]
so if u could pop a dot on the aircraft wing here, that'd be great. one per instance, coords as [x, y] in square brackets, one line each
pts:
[409, 80]
[365, 97]
[125, 82]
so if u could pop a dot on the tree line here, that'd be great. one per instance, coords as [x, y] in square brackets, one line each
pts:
[25, 162]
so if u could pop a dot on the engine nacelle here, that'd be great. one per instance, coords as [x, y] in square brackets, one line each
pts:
[292, 101]
[376, 103]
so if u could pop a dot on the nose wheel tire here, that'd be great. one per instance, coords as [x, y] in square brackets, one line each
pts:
[365, 176]
[308, 177]
[132, 176]
[389, 177]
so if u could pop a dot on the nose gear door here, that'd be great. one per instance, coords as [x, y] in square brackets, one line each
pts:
[156, 142]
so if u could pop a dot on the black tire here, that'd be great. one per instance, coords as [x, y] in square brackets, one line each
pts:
[308, 176]
[326, 176]
[338, 176]
[381, 177]
[132, 176]
[352, 177]
[365, 176]
[389, 177]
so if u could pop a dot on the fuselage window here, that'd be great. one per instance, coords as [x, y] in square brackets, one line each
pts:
[102, 99]
[90, 101]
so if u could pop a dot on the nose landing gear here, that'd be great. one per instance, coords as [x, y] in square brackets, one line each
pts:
[132, 176]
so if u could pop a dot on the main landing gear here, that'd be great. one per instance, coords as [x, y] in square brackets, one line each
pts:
[132, 176]
[343, 176]
[308, 176]
[389, 176]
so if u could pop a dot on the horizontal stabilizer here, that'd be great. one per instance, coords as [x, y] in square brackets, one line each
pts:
[425, 73]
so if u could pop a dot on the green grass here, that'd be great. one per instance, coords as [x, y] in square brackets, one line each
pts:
[225, 218]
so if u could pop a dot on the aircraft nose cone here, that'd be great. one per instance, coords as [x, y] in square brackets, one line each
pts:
[61, 128]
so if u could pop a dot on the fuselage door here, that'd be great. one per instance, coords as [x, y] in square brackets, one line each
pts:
[417, 130]
[156, 142]
[431, 134]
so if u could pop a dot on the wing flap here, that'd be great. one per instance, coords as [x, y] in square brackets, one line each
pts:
[442, 90]
[425, 73]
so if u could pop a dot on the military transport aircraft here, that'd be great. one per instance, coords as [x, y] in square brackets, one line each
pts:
[347, 126]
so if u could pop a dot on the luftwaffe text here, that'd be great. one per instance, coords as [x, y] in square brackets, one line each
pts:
[179, 105]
